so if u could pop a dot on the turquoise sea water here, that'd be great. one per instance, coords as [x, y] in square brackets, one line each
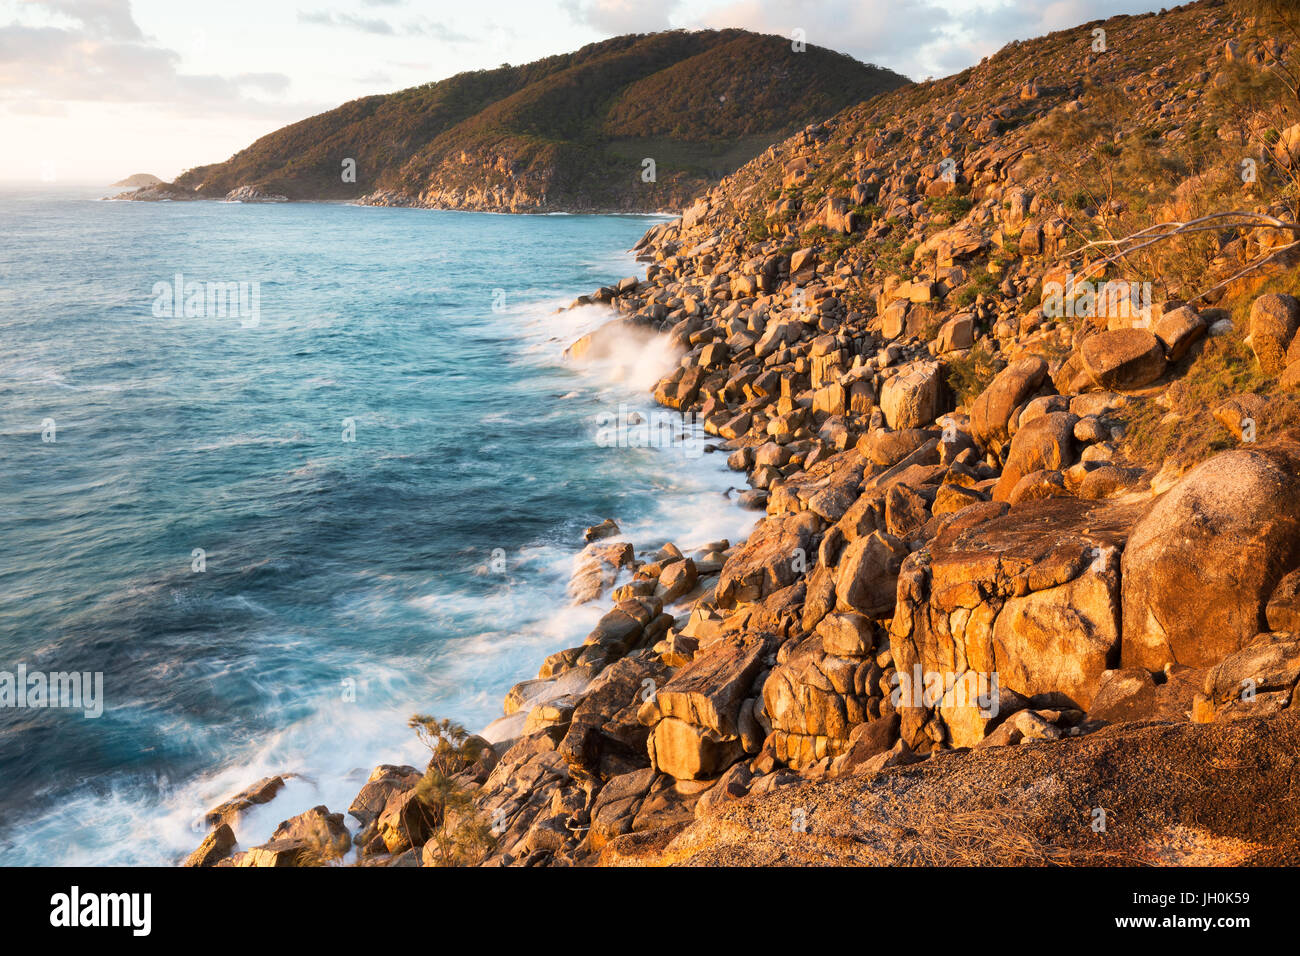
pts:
[349, 465]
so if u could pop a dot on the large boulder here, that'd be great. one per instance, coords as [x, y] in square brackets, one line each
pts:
[702, 718]
[324, 834]
[913, 397]
[623, 627]
[605, 738]
[823, 686]
[887, 448]
[1273, 322]
[690, 752]
[991, 414]
[596, 567]
[216, 846]
[384, 781]
[867, 576]
[1128, 694]
[1260, 679]
[771, 559]
[708, 691]
[1123, 359]
[1046, 443]
[276, 853]
[1204, 560]
[409, 820]
[1018, 605]
[261, 792]
[1178, 330]
[777, 336]
[956, 334]
[616, 805]
[1283, 611]
[528, 790]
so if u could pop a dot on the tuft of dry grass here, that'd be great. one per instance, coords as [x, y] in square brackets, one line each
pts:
[1182, 428]
[973, 837]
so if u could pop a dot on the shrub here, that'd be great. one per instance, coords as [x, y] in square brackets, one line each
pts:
[461, 837]
[971, 373]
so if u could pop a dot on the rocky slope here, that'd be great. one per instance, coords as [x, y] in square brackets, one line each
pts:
[567, 133]
[1027, 585]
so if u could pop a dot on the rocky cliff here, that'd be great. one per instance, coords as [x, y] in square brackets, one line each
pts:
[1009, 362]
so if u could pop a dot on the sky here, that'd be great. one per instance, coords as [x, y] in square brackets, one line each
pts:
[95, 90]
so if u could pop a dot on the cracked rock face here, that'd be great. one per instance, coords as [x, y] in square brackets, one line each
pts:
[768, 561]
[1032, 596]
[700, 719]
[822, 687]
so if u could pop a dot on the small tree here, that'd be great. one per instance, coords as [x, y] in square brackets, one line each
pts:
[460, 836]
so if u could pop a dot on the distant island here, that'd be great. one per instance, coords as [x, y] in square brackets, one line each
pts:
[637, 123]
[138, 181]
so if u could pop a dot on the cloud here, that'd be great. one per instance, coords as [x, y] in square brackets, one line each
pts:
[622, 16]
[982, 30]
[349, 21]
[102, 56]
[106, 19]
[886, 32]
[436, 29]
[997, 24]
[38, 108]
[916, 37]
[267, 82]
[373, 25]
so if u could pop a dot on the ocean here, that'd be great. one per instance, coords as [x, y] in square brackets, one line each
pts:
[342, 484]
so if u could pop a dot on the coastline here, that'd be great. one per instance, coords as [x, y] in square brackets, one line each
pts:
[153, 194]
[528, 694]
[979, 512]
[460, 659]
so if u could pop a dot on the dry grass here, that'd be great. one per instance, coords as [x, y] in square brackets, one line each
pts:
[1184, 431]
[974, 837]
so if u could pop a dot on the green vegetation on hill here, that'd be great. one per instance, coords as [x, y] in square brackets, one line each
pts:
[565, 132]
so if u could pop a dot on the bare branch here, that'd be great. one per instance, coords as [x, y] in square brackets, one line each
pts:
[1257, 264]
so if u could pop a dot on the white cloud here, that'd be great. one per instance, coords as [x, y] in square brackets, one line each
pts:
[109, 19]
[325, 18]
[97, 53]
[916, 37]
[616, 17]
[422, 26]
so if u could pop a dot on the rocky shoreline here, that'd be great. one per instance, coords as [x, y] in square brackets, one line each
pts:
[1027, 584]
[169, 192]
[448, 201]
[506, 200]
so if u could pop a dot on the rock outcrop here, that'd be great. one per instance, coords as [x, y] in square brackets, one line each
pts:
[1203, 562]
